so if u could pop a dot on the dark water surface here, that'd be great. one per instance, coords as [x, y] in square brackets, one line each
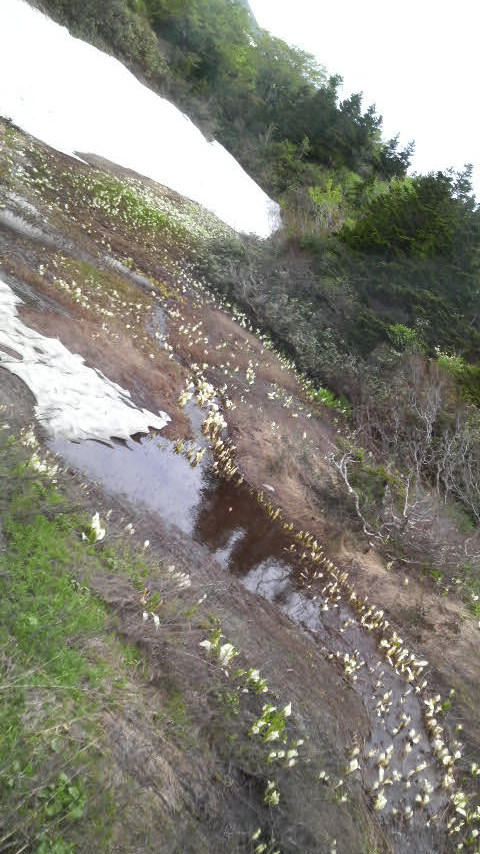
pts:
[217, 514]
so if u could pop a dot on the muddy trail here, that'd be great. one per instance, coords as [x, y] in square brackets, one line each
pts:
[238, 488]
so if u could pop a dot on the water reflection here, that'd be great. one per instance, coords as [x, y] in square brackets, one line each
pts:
[147, 473]
[235, 529]
[216, 513]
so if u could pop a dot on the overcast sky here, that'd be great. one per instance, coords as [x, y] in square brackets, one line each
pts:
[417, 60]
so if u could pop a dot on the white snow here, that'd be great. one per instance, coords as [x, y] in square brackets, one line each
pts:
[73, 401]
[77, 99]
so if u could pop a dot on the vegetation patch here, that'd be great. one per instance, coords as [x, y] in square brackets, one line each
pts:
[52, 691]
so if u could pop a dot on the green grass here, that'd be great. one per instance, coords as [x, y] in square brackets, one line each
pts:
[328, 398]
[41, 609]
[119, 200]
[51, 690]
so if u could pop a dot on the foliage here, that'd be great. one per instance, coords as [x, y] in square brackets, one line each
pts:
[466, 375]
[403, 337]
[328, 205]
[57, 846]
[115, 25]
[327, 397]
[417, 217]
[428, 440]
[63, 796]
[271, 104]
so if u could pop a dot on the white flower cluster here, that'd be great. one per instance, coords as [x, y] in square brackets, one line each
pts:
[254, 681]
[289, 757]
[43, 467]
[28, 438]
[264, 847]
[95, 531]
[224, 652]
[250, 373]
[271, 723]
[39, 464]
[271, 795]
[154, 616]
[181, 579]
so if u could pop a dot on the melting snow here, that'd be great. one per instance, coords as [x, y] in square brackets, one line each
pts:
[78, 99]
[73, 401]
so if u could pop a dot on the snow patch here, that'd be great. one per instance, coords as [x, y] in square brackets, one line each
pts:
[77, 99]
[73, 401]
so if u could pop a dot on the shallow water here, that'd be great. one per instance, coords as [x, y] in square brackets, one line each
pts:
[22, 226]
[240, 536]
[147, 473]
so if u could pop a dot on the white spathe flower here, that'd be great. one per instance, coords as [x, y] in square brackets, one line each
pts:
[272, 735]
[287, 710]
[272, 796]
[380, 801]
[267, 708]
[226, 652]
[96, 531]
[206, 644]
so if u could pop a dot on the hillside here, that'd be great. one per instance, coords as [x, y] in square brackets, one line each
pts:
[367, 248]
[265, 640]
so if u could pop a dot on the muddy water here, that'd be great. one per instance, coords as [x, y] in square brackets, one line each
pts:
[398, 756]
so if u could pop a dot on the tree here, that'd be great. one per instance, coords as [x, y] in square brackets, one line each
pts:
[392, 163]
[416, 217]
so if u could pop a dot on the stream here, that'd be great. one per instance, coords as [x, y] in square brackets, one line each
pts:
[398, 757]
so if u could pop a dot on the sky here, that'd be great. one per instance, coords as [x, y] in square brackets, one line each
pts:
[417, 61]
